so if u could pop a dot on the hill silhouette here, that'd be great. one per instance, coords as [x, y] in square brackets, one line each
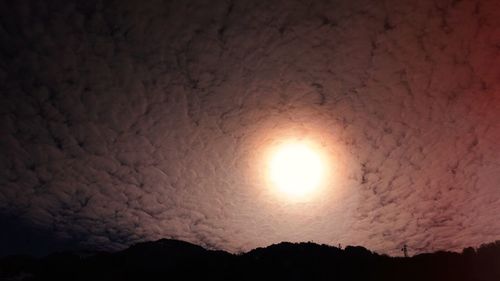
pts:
[177, 260]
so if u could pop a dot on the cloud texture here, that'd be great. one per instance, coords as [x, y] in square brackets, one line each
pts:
[126, 121]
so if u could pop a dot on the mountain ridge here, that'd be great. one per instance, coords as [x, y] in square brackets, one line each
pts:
[180, 260]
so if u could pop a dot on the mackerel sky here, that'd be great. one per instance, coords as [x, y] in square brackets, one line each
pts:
[129, 121]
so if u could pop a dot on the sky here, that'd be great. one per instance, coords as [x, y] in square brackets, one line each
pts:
[130, 121]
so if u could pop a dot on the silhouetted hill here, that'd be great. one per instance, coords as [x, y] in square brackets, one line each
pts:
[178, 260]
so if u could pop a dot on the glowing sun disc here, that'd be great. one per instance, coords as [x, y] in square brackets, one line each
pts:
[296, 169]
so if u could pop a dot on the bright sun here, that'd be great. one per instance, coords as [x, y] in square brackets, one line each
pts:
[296, 169]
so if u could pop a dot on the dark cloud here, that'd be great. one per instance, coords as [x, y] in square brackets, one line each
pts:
[128, 121]
[20, 237]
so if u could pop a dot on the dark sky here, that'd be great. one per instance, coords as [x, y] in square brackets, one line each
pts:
[128, 121]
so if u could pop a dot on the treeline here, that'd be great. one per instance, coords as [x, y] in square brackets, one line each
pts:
[177, 260]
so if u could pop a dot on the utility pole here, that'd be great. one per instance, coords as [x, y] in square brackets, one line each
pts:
[405, 250]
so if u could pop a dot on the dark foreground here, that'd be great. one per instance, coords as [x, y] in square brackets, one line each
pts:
[176, 260]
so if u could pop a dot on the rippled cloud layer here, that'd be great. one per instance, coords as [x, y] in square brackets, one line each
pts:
[128, 121]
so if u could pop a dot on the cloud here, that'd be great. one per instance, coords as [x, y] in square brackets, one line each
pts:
[125, 122]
